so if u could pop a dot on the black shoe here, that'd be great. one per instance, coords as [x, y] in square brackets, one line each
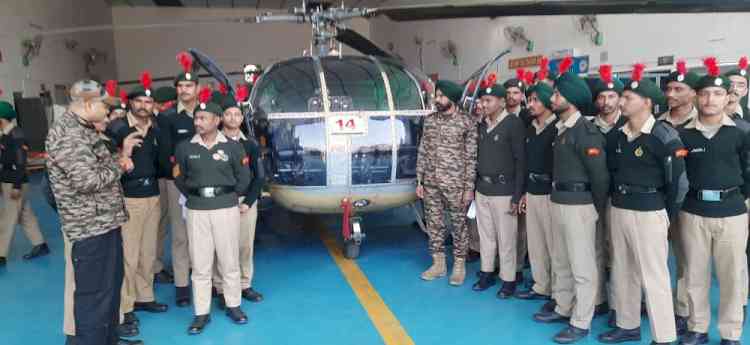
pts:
[612, 322]
[3, 261]
[507, 291]
[485, 281]
[729, 342]
[601, 309]
[70, 340]
[620, 335]
[495, 273]
[198, 324]
[694, 338]
[37, 251]
[127, 330]
[252, 295]
[549, 306]
[182, 296]
[151, 307]
[681, 324]
[163, 277]
[472, 256]
[122, 341]
[550, 317]
[570, 335]
[131, 319]
[519, 278]
[531, 294]
[237, 315]
[220, 301]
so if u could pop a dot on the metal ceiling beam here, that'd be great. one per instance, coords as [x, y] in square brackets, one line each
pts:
[168, 3]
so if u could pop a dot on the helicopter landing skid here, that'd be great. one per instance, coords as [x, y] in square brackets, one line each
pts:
[351, 230]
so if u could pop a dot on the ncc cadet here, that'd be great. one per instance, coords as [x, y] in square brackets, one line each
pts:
[141, 190]
[680, 94]
[212, 172]
[232, 120]
[164, 98]
[646, 161]
[536, 202]
[16, 207]
[177, 126]
[606, 91]
[713, 221]
[739, 81]
[579, 194]
[446, 167]
[501, 171]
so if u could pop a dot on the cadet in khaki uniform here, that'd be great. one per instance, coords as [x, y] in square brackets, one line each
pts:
[713, 221]
[449, 140]
[16, 207]
[164, 98]
[232, 120]
[211, 171]
[141, 190]
[501, 172]
[649, 185]
[536, 203]
[579, 193]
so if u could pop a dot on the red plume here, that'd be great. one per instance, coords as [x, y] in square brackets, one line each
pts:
[242, 93]
[528, 77]
[682, 67]
[638, 72]
[186, 61]
[605, 73]
[743, 63]
[712, 66]
[491, 79]
[205, 95]
[111, 87]
[543, 69]
[146, 80]
[472, 86]
[564, 65]
[223, 89]
[123, 98]
[520, 73]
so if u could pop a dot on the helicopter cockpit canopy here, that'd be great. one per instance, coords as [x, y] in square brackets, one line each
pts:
[342, 121]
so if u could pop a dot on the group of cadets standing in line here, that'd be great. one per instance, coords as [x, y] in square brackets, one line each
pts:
[601, 198]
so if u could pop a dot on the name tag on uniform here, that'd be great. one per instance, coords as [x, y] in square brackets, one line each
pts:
[194, 157]
[182, 131]
[711, 195]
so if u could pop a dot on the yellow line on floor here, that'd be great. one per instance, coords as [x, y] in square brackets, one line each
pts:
[385, 322]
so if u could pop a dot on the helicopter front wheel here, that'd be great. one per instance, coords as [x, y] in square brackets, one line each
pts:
[354, 242]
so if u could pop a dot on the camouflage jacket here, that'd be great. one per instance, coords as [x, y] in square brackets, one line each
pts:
[85, 179]
[448, 151]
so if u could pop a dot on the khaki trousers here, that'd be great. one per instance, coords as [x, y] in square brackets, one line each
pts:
[17, 212]
[603, 253]
[180, 251]
[139, 250]
[69, 321]
[498, 231]
[473, 235]
[161, 235]
[640, 254]
[574, 262]
[724, 241]
[248, 221]
[681, 304]
[214, 232]
[540, 240]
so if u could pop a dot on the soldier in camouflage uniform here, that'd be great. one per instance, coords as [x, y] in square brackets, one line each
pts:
[446, 167]
[85, 176]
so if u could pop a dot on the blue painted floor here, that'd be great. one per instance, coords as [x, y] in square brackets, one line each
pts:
[308, 301]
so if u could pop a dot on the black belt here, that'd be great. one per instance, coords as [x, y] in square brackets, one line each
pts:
[633, 189]
[540, 178]
[139, 182]
[571, 186]
[713, 195]
[493, 179]
[211, 192]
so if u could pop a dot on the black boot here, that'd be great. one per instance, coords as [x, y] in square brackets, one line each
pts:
[694, 338]
[570, 335]
[252, 295]
[620, 335]
[127, 330]
[531, 294]
[237, 315]
[37, 251]
[182, 296]
[485, 281]
[198, 324]
[131, 319]
[151, 307]
[549, 306]
[507, 291]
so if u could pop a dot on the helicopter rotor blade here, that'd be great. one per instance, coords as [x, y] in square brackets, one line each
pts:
[359, 43]
[96, 28]
[212, 68]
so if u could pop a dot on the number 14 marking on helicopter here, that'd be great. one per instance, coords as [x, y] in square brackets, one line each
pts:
[347, 124]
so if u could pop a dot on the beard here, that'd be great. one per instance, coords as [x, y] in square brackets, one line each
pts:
[443, 107]
[561, 109]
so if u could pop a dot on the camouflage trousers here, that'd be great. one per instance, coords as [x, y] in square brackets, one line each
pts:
[437, 201]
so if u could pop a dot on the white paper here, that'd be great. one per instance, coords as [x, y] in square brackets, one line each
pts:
[182, 201]
[472, 213]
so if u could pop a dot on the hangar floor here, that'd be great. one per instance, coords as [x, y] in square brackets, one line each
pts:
[312, 294]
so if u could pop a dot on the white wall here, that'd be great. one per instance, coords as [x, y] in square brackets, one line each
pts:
[230, 45]
[55, 64]
[627, 39]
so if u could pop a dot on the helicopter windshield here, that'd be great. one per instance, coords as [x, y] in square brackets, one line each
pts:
[290, 87]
